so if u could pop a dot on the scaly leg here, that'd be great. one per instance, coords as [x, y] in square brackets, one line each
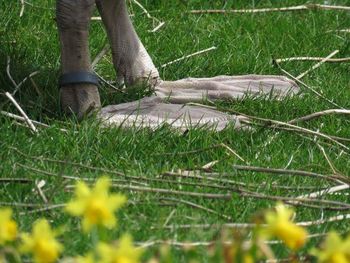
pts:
[73, 18]
[130, 58]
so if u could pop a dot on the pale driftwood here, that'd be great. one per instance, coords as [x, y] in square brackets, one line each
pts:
[278, 9]
[317, 65]
[189, 56]
[333, 60]
[27, 120]
[320, 114]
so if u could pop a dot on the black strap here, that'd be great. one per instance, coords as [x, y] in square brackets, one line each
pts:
[78, 78]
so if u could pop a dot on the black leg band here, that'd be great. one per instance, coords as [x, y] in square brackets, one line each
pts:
[78, 78]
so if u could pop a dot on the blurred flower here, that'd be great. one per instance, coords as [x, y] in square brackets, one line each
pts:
[8, 227]
[333, 250]
[279, 225]
[89, 258]
[95, 205]
[41, 243]
[123, 252]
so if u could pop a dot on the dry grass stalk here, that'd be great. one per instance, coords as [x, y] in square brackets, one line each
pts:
[291, 127]
[188, 56]
[317, 65]
[278, 9]
[100, 55]
[22, 8]
[331, 190]
[27, 120]
[160, 23]
[20, 118]
[307, 87]
[334, 178]
[191, 204]
[334, 60]
[319, 114]
[167, 191]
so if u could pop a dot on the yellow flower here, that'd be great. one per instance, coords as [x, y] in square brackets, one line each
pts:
[334, 249]
[96, 205]
[279, 225]
[41, 243]
[89, 258]
[8, 227]
[124, 252]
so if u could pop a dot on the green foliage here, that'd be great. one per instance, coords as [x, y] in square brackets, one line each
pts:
[246, 44]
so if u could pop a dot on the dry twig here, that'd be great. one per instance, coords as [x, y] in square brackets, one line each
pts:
[27, 120]
[278, 9]
[317, 65]
[188, 56]
[319, 114]
[332, 60]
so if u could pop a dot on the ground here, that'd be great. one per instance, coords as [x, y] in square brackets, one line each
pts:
[246, 44]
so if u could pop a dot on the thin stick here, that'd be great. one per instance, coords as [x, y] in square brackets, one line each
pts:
[331, 165]
[299, 129]
[100, 55]
[197, 206]
[22, 8]
[334, 178]
[331, 60]
[15, 180]
[233, 152]
[8, 72]
[252, 225]
[167, 191]
[157, 27]
[308, 87]
[43, 209]
[23, 81]
[160, 23]
[27, 120]
[317, 65]
[38, 186]
[327, 191]
[20, 118]
[324, 204]
[188, 56]
[188, 244]
[278, 9]
[319, 114]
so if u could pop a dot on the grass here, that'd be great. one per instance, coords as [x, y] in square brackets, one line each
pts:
[246, 44]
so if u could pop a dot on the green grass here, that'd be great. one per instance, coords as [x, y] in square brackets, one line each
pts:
[246, 44]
